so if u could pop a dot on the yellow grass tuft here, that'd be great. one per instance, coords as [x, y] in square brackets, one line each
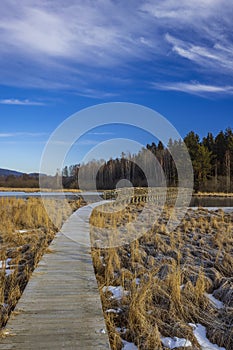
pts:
[166, 278]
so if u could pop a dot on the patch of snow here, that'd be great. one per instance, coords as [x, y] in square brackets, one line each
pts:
[121, 330]
[102, 259]
[5, 263]
[9, 272]
[114, 311]
[22, 231]
[101, 331]
[173, 343]
[217, 303]
[225, 209]
[117, 292]
[129, 346]
[200, 333]
[137, 280]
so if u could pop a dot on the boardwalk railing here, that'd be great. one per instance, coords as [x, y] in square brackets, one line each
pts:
[156, 195]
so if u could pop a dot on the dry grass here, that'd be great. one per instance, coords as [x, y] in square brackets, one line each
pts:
[25, 234]
[19, 189]
[165, 277]
[213, 194]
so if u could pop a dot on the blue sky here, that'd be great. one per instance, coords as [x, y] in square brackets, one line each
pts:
[58, 57]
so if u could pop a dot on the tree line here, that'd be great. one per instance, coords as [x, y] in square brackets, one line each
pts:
[22, 181]
[212, 159]
[211, 156]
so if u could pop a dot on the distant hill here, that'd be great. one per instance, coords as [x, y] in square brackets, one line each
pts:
[36, 175]
[7, 172]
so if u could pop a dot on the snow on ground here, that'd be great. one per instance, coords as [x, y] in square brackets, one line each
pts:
[200, 333]
[217, 303]
[117, 292]
[129, 346]
[5, 263]
[22, 231]
[173, 343]
[9, 272]
[113, 311]
[121, 330]
[225, 209]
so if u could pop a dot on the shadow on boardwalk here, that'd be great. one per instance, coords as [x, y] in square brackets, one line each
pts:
[60, 307]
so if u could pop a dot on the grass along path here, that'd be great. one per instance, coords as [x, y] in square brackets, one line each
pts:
[25, 234]
[163, 288]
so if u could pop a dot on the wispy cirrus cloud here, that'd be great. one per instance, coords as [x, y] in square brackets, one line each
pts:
[100, 133]
[198, 34]
[77, 45]
[62, 45]
[182, 11]
[22, 134]
[92, 93]
[208, 57]
[3, 135]
[15, 101]
[195, 88]
[86, 32]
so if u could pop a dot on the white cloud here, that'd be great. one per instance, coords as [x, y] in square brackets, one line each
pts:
[63, 45]
[210, 57]
[19, 134]
[96, 94]
[199, 31]
[80, 31]
[100, 133]
[183, 10]
[3, 135]
[194, 88]
[36, 30]
[14, 101]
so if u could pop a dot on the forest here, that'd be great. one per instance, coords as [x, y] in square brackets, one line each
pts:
[211, 156]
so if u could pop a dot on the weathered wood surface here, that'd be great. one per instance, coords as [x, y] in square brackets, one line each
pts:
[60, 307]
[156, 195]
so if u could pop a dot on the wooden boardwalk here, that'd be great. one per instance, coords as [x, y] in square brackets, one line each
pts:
[60, 307]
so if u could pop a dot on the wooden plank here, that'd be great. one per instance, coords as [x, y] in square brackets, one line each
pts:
[60, 307]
